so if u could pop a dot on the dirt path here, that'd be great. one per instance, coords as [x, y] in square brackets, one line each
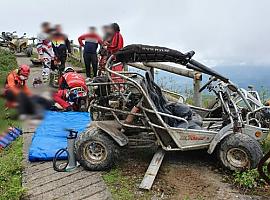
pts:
[196, 175]
[39, 178]
[192, 175]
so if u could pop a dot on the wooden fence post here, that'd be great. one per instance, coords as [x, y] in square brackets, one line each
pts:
[81, 54]
[197, 96]
[71, 46]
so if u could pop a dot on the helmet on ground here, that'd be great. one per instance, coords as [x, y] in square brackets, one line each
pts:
[68, 69]
[24, 70]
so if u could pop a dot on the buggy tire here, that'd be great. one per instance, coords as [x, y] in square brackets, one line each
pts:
[238, 152]
[29, 52]
[97, 138]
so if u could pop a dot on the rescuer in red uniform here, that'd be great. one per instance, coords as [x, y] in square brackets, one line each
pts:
[70, 79]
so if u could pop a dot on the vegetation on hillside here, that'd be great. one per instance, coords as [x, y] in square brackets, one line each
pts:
[11, 157]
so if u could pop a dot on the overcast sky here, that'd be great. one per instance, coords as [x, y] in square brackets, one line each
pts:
[227, 32]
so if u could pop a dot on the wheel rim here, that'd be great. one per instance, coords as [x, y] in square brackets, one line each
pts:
[95, 151]
[238, 158]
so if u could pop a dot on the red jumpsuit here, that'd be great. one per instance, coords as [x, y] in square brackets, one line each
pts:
[68, 81]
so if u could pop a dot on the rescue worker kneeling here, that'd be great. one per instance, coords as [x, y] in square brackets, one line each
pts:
[69, 81]
[18, 95]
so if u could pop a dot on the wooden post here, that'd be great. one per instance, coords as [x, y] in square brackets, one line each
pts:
[172, 69]
[81, 54]
[196, 76]
[71, 46]
[197, 96]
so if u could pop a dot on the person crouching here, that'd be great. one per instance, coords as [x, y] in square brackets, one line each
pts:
[19, 96]
[69, 81]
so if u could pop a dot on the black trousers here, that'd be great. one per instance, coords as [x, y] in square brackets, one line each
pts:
[62, 59]
[29, 105]
[90, 59]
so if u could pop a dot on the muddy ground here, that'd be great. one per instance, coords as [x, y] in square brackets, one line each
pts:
[183, 175]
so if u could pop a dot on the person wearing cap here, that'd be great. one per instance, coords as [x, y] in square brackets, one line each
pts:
[70, 79]
[91, 42]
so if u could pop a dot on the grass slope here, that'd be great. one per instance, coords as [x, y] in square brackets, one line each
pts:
[11, 157]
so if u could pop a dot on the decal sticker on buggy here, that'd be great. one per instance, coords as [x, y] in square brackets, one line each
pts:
[193, 137]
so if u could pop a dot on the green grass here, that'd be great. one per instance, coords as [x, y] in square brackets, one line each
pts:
[7, 63]
[10, 158]
[74, 62]
[11, 172]
[266, 144]
[120, 185]
[34, 55]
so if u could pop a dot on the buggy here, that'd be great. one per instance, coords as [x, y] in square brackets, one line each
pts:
[131, 110]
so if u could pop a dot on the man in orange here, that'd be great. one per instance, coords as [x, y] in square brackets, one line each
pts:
[16, 85]
[18, 95]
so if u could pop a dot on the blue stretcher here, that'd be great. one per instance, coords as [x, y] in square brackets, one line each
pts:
[50, 135]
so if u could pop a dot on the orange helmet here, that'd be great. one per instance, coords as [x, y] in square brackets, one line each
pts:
[24, 70]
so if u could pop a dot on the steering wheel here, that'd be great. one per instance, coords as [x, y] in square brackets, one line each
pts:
[211, 79]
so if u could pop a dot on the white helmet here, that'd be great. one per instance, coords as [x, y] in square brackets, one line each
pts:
[68, 69]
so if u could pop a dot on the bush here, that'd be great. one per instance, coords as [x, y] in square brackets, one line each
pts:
[7, 61]
[249, 179]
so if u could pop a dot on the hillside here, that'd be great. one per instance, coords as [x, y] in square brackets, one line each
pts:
[243, 76]
[258, 76]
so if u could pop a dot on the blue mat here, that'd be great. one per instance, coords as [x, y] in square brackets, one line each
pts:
[50, 136]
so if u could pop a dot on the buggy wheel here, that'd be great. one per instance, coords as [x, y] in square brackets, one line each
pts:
[29, 51]
[239, 152]
[96, 151]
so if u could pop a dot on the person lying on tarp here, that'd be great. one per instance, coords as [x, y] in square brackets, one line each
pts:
[72, 87]
[18, 95]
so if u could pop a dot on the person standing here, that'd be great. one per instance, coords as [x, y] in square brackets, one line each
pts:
[61, 46]
[117, 42]
[103, 52]
[90, 45]
[45, 50]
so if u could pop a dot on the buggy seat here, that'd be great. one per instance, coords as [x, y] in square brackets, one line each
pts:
[162, 105]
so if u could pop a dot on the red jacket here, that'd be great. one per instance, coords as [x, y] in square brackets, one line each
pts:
[71, 80]
[91, 42]
[117, 43]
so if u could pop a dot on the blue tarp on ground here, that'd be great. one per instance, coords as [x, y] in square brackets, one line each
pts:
[50, 135]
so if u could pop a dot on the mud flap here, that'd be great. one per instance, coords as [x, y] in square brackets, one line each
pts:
[112, 128]
[152, 170]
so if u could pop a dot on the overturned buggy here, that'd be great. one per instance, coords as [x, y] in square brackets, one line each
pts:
[129, 109]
